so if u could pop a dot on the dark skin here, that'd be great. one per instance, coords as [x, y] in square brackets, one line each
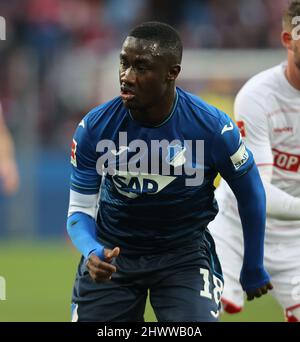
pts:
[147, 79]
[259, 292]
[99, 270]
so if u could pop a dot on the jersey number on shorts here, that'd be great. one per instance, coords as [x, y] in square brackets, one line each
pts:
[218, 286]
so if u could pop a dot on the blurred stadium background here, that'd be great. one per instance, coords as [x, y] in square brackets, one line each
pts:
[59, 59]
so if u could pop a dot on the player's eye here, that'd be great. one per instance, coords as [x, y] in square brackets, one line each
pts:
[123, 63]
[142, 68]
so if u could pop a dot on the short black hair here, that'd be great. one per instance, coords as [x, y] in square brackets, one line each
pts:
[293, 10]
[165, 35]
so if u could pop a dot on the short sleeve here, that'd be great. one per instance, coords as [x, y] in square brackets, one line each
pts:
[84, 177]
[252, 120]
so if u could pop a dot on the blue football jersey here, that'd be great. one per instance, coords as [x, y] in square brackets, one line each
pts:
[146, 210]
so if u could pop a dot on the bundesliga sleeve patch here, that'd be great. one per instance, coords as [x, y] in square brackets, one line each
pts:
[240, 157]
[73, 153]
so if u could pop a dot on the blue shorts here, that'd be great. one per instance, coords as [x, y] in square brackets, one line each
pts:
[184, 286]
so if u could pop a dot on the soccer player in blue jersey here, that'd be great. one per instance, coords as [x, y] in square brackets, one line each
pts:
[142, 194]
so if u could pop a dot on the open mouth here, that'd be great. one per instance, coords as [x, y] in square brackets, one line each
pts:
[127, 94]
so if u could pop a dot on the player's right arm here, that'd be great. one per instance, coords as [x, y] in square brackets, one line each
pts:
[84, 193]
[251, 115]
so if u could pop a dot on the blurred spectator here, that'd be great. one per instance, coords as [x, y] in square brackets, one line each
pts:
[57, 45]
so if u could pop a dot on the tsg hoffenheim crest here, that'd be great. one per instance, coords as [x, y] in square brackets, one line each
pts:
[175, 156]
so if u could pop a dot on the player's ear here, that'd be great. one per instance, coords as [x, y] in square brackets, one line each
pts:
[287, 40]
[173, 72]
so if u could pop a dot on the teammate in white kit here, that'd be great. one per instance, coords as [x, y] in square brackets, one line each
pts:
[267, 110]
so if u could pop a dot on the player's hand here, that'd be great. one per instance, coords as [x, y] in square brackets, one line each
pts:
[259, 292]
[99, 270]
[249, 277]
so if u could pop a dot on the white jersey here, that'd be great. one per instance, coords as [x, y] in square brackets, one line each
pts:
[267, 110]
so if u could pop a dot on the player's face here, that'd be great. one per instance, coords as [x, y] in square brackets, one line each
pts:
[143, 74]
[296, 51]
[293, 47]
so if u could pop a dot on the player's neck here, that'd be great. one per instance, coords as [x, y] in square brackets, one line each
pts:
[157, 114]
[292, 73]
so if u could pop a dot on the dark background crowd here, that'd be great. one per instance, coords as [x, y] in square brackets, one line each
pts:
[49, 75]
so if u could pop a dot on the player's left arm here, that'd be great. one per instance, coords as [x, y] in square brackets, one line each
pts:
[236, 165]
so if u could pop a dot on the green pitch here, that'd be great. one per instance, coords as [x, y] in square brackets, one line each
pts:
[39, 281]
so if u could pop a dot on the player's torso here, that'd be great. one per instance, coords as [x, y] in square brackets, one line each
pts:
[282, 107]
[139, 160]
[284, 132]
[155, 161]
[158, 181]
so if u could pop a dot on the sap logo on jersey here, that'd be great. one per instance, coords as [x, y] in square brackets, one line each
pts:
[240, 157]
[132, 184]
